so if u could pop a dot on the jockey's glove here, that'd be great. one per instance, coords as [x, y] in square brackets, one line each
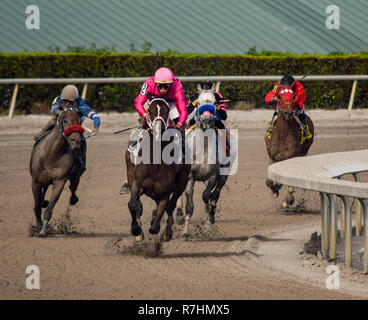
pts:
[178, 126]
[143, 120]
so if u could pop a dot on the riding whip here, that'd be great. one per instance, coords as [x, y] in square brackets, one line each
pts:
[126, 129]
[307, 74]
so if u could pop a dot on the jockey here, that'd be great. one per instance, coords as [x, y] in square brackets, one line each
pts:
[162, 85]
[297, 87]
[221, 113]
[70, 93]
[220, 107]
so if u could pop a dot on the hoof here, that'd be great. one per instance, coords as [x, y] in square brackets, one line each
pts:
[211, 220]
[153, 231]
[42, 235]
[73, 200]
[275, 195]
[186, 236]
[136, 230]
[140, 237]
[45, 204]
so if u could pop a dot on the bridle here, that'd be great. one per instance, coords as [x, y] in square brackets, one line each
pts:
[73, 128]
[158, 118]
[287, 97]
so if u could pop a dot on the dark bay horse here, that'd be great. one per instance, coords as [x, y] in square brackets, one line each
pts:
[203, 141]
[287, 140]
[161, 181]
[56, 158]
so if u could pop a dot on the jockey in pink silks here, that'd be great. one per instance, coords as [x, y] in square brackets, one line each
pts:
[162, 85]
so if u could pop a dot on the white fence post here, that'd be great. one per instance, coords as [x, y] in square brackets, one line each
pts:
[352, 95]
[13, 101]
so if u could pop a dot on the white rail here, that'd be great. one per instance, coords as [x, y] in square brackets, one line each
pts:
[319, 173]
[218, 79]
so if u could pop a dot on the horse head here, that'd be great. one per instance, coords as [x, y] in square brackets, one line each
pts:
[158, 115]
[286, 102]
[69, 124]
[206, 116]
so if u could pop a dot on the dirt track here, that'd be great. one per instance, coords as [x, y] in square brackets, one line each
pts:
[252, 252]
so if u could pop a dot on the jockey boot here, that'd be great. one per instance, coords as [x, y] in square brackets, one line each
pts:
[271, 123]
[124, 188]
[303, 124]
[47, 128]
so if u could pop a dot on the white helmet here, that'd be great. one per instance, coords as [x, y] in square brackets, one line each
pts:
[69, 93]
[206, 97]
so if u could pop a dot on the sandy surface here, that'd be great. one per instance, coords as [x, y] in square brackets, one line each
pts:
[252, 252]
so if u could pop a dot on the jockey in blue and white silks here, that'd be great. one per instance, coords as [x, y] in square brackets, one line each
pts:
[70, 94]
[84, 110]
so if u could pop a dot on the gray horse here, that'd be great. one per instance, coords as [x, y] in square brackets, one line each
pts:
[55, 158]
[206, 166]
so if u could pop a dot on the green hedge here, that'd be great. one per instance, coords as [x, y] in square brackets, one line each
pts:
[120, 97]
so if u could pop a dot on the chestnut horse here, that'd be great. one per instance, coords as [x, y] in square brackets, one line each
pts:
[161, 181]
[56, 158]
[287, 140]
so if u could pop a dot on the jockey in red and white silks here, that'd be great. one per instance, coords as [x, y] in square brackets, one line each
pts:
[298, 90]
[287, 82]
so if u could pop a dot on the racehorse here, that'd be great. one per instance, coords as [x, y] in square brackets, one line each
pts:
[57, 157]
[163, 182]
[287, 139]
[206, 165]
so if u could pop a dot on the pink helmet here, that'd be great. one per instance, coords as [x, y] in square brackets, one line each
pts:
[164, 75]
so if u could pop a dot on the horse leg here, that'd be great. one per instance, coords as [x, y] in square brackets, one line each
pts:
[37, 195]
[215, 195]
[56, 192]
[74, 182]
[44, 203]
[161, 207]
[168, 234]
[75, 177]
[275, 187]
[290, 199]
[207, 192]
[139, 212]
[179, 212]
[133, 206]
[189, 207]
[180, 187]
